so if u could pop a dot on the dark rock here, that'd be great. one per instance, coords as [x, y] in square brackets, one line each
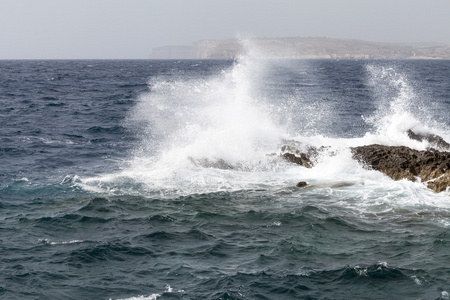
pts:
[434, 140]
[301, 184]
[300, 154]
[399, 162]
[301, 160]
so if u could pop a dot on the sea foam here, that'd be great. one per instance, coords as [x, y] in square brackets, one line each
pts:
[223, 133]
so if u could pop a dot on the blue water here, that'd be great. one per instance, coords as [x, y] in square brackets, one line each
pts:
[113, 185]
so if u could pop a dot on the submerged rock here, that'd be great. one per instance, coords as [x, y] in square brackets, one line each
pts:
[207, 163]
[322, 185]
[399, 162]
[301, 184]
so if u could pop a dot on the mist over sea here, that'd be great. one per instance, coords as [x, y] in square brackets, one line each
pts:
[162, 179]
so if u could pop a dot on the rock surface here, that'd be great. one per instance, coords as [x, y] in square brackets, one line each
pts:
[398, 162]
[301, 154]
[431, 166]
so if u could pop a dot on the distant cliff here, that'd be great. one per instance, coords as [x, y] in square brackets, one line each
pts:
[302, 48]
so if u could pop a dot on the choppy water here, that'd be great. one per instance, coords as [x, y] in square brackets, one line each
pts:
[110, 186]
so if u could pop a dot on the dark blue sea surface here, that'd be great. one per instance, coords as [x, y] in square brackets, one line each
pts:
[154, 179]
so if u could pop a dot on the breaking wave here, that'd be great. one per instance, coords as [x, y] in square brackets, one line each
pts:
[224, 132]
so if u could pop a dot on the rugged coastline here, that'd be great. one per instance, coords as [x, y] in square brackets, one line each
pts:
[302, 48]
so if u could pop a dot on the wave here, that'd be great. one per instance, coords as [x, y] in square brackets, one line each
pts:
[154, 296]
[399, 109]
[224, 132]
[379, 280]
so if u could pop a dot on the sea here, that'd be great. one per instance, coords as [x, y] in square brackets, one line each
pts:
[163, 179]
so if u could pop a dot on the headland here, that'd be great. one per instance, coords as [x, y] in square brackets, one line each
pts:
[303, 48]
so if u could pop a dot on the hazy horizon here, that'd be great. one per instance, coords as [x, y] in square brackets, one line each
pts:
[114, 29]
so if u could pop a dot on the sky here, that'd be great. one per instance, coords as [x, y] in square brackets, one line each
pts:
[129, 29]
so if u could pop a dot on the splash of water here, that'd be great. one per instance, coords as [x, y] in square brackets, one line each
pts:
[216, 118]
[218, 133]
[195, 129]
[399, 110]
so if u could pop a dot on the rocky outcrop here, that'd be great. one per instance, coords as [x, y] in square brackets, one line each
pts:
[301, 154]
[430, 166]
[398, 162]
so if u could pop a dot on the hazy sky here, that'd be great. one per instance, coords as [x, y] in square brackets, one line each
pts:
[45, 29]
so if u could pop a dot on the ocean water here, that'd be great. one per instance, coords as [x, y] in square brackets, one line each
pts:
[162, 180]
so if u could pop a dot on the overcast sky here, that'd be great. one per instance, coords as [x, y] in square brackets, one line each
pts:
[80, 29]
